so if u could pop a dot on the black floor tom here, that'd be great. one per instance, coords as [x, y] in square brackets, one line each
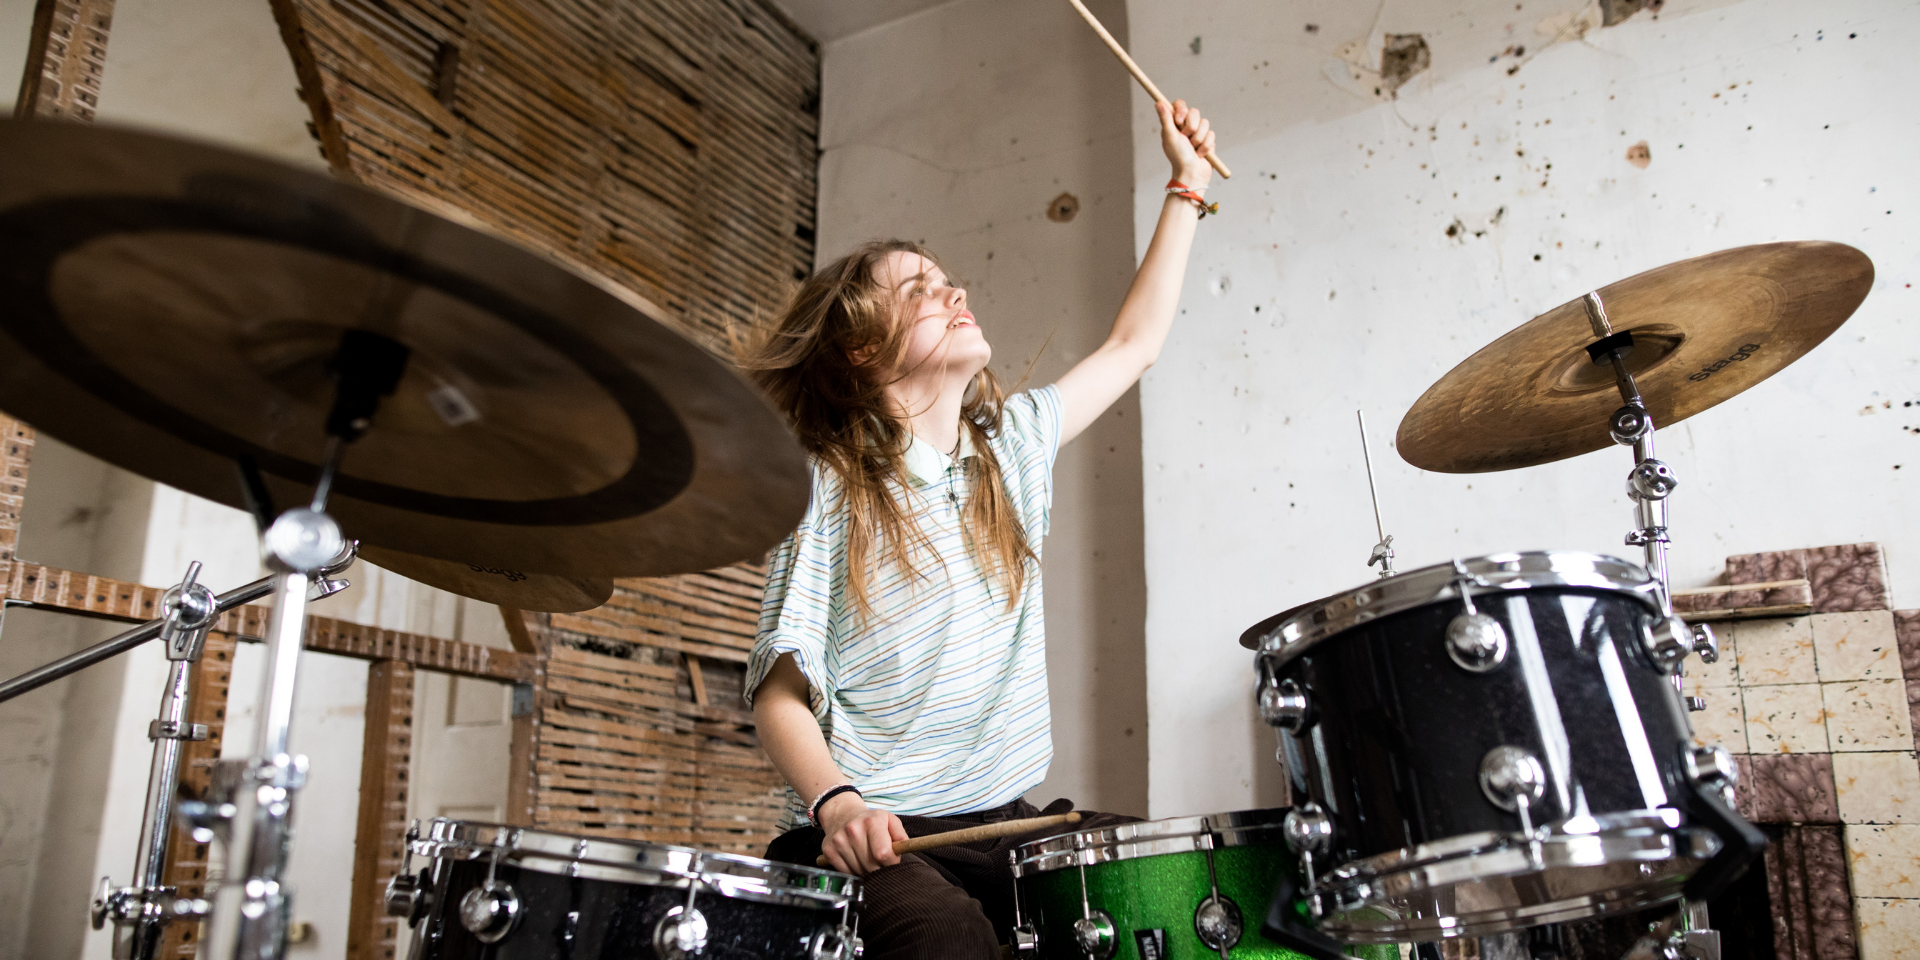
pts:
[1493, 744]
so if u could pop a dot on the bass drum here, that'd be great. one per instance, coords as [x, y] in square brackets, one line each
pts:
[1494, 744]
[512, 893]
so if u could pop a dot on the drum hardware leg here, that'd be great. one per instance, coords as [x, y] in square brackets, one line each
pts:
[1294, 907]
[1216, 921]
[252, 907]
[1026, 939]
[1094, 932]
[683, 931]
[1730, 843]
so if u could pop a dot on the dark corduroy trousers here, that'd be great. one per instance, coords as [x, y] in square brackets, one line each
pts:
[950, 903]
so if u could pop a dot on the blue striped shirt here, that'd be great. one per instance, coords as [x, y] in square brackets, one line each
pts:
[936, 702]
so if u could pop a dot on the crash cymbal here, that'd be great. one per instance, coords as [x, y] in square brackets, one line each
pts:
[540, 592]
[170, 307]
[1704, 330]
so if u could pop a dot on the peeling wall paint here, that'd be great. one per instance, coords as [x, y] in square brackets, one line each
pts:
[1372, 244]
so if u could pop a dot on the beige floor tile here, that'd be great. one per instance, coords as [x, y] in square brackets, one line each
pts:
[1877, 787]
[1785, 718]
[1723, 723]
[1776, 651]
[1867, 715]
[1884, 861]
[1855, 646]
[1889, 929]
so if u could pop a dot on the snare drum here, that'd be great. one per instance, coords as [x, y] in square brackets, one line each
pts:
[1494, 744]
[514, 893]
[1179, 889]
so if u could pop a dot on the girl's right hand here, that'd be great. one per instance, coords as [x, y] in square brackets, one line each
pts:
[859, 839]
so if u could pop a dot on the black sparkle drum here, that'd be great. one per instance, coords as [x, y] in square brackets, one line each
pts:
[1490, 745]
[513, 893]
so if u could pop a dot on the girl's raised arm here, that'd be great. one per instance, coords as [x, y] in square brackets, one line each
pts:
[1146, 315]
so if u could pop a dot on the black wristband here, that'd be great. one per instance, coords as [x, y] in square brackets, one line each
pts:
[813, 814]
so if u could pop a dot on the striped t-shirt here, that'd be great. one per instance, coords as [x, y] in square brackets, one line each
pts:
[936, 703]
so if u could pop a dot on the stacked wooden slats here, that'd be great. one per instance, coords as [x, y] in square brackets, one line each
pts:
[644, 733]
[670, 145]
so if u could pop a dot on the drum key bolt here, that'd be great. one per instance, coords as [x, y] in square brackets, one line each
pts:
[407, 891]
[1667, 642]
[1216, 921]
[1475, 641]
[683, 931]
[1706, 646]
[1094, 932]
[1509, 774]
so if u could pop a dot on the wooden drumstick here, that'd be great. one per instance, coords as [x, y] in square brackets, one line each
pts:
[1213, 159]
[985, 831]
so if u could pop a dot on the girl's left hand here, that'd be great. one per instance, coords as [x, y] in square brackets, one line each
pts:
[1187, 138]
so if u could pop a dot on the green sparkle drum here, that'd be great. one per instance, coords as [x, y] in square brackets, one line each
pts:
[1182, 889]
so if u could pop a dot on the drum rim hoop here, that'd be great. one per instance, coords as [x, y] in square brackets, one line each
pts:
[564, 854]
[1287, 635]
[1142, 839]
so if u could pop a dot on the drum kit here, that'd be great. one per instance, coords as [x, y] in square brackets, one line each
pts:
[1493, 744]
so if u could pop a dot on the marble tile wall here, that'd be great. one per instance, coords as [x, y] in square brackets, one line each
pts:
[1822, 711]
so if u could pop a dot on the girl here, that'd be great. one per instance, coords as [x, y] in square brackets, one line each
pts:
[899, 677]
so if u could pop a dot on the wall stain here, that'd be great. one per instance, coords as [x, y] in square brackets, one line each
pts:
[1640, 155]
[1063, 208]
[1403, 56]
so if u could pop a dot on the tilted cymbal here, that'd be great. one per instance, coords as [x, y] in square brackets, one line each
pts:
[1704, 330]
[540, 592]
[170, 307]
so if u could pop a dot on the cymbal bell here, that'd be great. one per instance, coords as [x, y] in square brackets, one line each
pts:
[1704, 330]
[538, 592]
[171, 307]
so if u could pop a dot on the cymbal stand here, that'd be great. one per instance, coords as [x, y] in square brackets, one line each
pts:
[1648, 485]
[141, 910]
[251, 805]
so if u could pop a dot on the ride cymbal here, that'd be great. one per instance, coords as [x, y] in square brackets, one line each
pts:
[171, 307]
[538, 592]
[1704, 330]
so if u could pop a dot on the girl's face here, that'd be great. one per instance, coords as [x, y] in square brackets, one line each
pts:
[942, 336]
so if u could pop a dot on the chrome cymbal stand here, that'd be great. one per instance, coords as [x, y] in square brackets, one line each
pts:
[1382, 551]
[140, 911]
[1648, 485]
[251, 805]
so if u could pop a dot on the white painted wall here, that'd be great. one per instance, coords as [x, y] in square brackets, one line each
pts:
[958, 126]
[1328, 284]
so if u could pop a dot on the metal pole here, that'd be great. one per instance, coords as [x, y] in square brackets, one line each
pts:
[114, 646]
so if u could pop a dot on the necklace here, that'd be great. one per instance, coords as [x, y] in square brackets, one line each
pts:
[953, 462]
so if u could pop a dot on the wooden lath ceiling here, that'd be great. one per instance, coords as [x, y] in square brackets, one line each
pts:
[669, 145]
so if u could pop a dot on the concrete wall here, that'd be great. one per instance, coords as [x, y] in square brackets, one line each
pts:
[1330, 282]
[958, 126]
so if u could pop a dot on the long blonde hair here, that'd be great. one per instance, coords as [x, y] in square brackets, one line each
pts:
[826, 360]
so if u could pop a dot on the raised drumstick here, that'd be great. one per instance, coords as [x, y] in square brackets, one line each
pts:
[985, 831]
[1213, 159]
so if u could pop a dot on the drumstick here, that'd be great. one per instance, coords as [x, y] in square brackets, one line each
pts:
[1213, 159]
[985, 831]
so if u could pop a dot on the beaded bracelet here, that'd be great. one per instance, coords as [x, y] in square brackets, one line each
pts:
[1177, 189]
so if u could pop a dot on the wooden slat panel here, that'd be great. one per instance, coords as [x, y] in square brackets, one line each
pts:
[386, 760]
[66, 57]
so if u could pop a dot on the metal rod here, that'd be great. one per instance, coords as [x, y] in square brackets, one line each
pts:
[329, 465]
[120, 643]
[1379, 528]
